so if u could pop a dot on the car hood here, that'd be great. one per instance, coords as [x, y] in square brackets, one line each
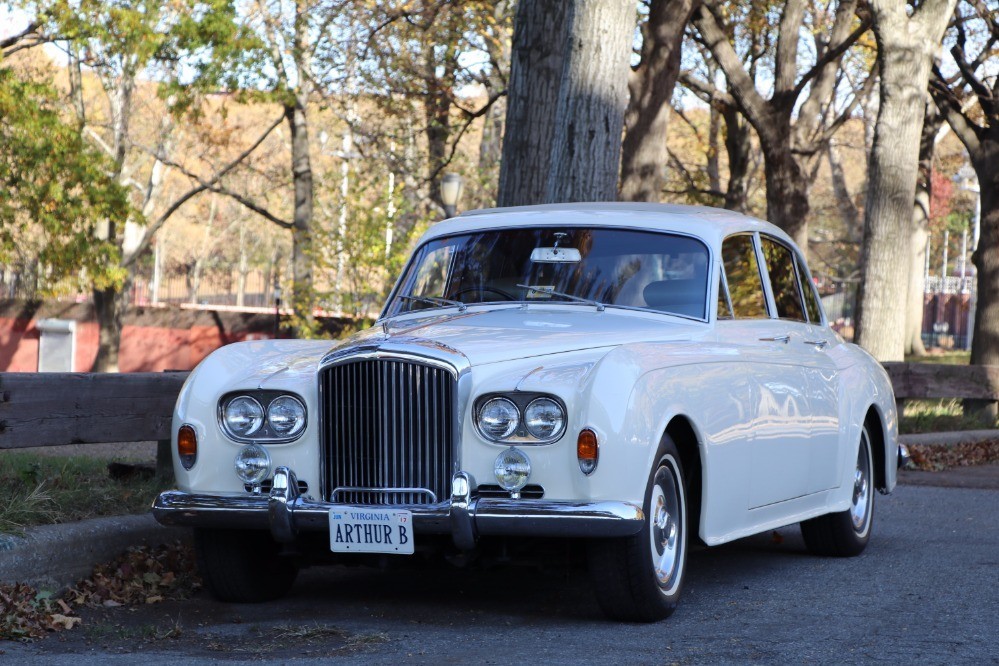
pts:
[494, 335]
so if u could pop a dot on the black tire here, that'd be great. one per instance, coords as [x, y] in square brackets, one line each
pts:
[243, 566]
[624, 572]
[846, 533]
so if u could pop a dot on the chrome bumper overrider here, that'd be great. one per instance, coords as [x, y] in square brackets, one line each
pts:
[285, 513]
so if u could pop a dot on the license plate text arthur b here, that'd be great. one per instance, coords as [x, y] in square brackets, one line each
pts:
[371, 530]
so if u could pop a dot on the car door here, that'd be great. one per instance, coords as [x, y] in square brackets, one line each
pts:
[799, 317]
[774, 417]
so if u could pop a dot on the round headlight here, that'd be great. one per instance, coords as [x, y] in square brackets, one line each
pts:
[253, 463]
[498, 418]
[286, 415]
[243, 416]
[512, 469]
[544, 418]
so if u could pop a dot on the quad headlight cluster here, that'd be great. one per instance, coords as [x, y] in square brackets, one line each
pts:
[520, 417]
[270, 417]
[260, 417]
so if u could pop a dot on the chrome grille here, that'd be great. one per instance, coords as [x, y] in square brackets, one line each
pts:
[388, 432]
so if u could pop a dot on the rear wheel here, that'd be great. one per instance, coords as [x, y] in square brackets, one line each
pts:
[243, 566]
[846, 533]
[639, 578]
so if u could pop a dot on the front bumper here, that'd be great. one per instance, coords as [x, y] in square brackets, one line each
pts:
[285, 514]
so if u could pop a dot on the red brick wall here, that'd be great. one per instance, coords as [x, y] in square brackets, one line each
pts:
[152, 339]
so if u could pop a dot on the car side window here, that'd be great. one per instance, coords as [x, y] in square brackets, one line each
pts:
[811, 300]
[783, 280]
[743, 275]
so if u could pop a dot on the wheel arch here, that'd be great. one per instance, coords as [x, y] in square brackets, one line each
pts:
[681, 430]
[876, 429]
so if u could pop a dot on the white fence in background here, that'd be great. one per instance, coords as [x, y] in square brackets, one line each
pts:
[950, 284]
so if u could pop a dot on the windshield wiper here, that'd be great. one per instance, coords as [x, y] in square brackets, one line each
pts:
[571, 297]
[436, 300]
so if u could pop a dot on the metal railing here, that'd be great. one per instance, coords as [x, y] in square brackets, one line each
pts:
[950, 284]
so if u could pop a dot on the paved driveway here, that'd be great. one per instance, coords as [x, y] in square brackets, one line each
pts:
[925, 591]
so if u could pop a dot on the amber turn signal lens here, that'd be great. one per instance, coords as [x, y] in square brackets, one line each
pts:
[187, 446]
[587, 450]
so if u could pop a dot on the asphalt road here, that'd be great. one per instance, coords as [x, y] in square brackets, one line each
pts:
[924, 592]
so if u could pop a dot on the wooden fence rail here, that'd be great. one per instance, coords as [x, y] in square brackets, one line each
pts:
[978, 384]
[55, 408]
[51, 409]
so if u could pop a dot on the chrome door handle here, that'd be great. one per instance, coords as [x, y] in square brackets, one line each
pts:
[778, 338]
[819, 344]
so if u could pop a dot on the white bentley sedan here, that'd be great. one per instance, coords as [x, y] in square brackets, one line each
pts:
[629, 376]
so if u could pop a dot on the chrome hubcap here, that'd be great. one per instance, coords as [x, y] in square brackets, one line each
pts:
[860, 508]
[666, 527]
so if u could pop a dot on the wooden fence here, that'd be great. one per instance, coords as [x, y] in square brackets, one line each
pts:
[57, 408]
[977, 385]
[50, 409]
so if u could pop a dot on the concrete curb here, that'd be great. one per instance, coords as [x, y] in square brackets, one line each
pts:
[53, 557]
[949, 438]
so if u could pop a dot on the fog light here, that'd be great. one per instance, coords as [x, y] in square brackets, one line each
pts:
[253, 464]
[187, 446]
[512, 469]
[587, 451]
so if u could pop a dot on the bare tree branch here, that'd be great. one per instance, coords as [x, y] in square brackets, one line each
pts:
[950, 106]
[202, 185]
[26, 39]
[743, 88]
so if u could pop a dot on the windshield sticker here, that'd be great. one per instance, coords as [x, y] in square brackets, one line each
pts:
[540, 292]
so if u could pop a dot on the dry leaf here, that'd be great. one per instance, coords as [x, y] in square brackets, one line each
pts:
[65, 621]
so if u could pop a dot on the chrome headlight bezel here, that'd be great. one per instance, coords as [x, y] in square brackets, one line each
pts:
[520, 436]
[265, 434]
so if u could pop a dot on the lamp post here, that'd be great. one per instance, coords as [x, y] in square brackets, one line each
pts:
[450, 193]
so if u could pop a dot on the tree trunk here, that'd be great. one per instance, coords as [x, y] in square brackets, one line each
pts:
[739, 146]
[491, 144]
[437, 114]
[932, 120]
[787, 192]
[643, 153]
[303, 293]
[906, 48]
[985, 343]
[243, 267]
[844, 198]
[586, 146]
[109, 303]
[109, 307]
[538, 54]
[713, 164]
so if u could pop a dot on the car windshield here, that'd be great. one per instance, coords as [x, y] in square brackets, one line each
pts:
[583, 266]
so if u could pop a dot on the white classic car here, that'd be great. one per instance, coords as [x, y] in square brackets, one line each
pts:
[632, 376]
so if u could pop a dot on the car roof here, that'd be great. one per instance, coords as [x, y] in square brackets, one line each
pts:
[710, 224]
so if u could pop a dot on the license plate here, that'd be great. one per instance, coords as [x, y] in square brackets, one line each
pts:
[368, 530]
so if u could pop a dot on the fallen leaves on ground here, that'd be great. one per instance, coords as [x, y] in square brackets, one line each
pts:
[26, 613]
[938, 457]
[142, 575]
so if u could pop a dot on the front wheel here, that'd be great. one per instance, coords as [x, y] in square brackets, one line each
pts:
[639, 578]
[846, 533]
[243, 566]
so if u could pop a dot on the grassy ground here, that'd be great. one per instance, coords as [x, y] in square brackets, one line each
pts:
[940, 416]
[37, 489]
[942, 357]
